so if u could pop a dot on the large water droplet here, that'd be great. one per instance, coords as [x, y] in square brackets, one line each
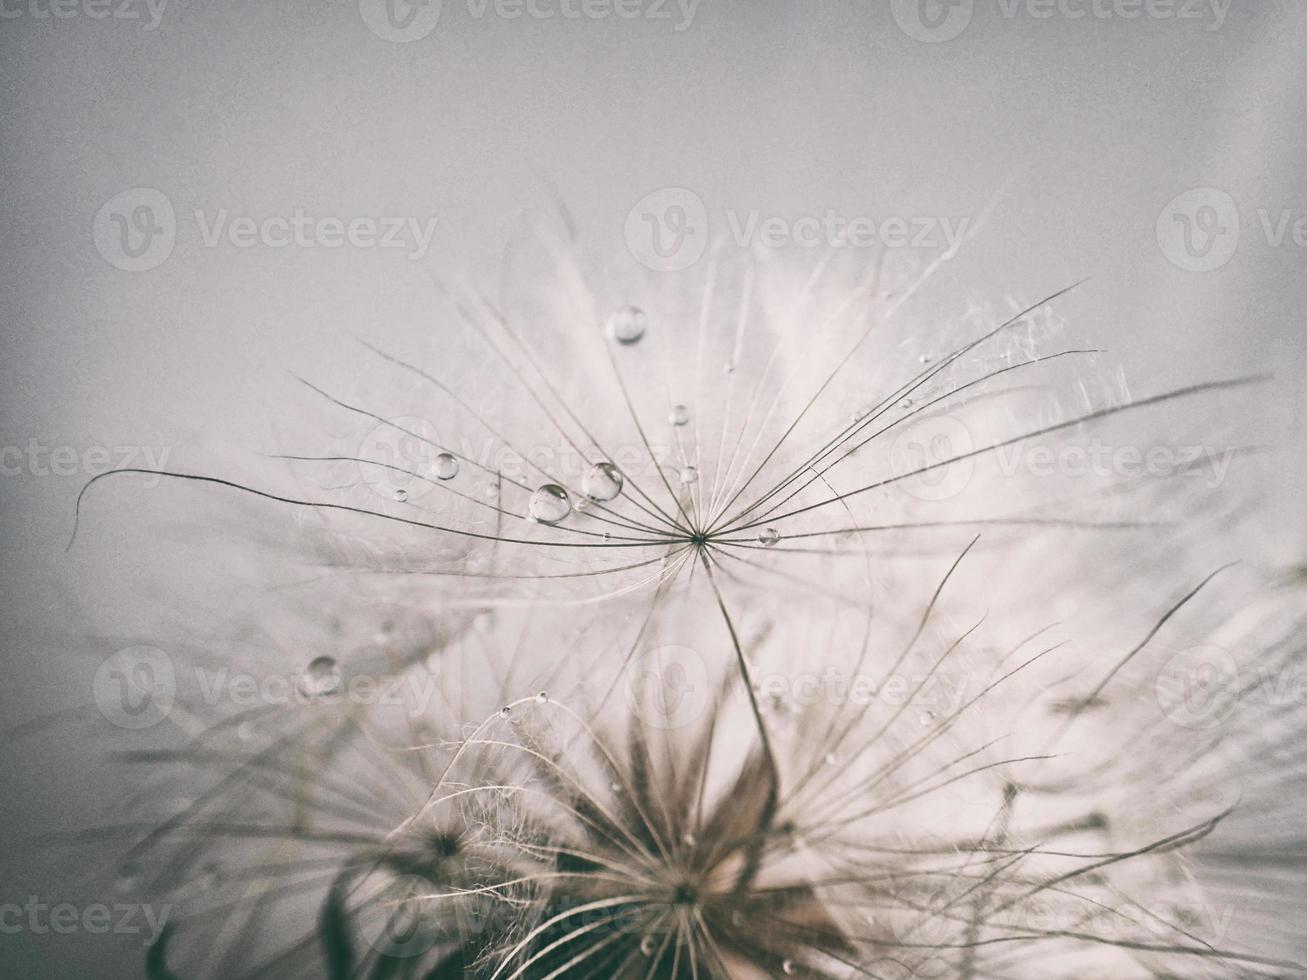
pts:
[768, 536]
[690, 474]
[603, 481]
[549, 504]
[321, 677]
[679, 415]
[444, 466]
[626, 325]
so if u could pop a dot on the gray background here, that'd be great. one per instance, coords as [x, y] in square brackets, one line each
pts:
[1078, 132]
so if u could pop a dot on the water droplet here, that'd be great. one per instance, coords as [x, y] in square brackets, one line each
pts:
[582, 505]
[321, 677]
[506, 712]
[788, 968]
[444, 466]
[924, 358]
[401, 495]
[246, 730]
[627, 325]
[737, 918]
[484, 620]
[927, 718]
[603, 481]
[491, 489]
[728, 367]
[860, 414]
[542, 697]
[549, 504]
[832, 759]
[647, 945]
[679, 415]
[689, 840]
[690, 474]
[769, 536]
[906, 403]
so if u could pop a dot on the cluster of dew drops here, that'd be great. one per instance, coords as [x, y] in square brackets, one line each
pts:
[550, 503]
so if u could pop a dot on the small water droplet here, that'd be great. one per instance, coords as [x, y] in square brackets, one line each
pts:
[647, 945]
[401, 495]
[788, 968]
[246, 730]
[690, 474]
[832, 759]
[491, 490]
[728, 367]
[626, 325]
[550, 504]
[927, 718]
[321, 677]
[689, 840]
[860, 414]
[737, 918]
[924, 358]
[906, 403]
[542, 697]
[444, 466]
[769, 536]
[679, 415]
[506, 712]
[484, 620]
[582, 505]
[602, 482]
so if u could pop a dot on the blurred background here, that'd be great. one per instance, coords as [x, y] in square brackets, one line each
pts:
[150, 315]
